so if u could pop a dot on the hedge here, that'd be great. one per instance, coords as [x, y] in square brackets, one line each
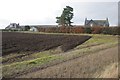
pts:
[89, 30]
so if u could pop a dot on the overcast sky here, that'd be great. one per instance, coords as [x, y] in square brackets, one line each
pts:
[37, 12]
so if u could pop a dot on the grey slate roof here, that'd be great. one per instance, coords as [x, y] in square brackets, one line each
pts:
[97, 22]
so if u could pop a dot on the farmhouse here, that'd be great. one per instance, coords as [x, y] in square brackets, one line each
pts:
[13, 26]
[92, 23]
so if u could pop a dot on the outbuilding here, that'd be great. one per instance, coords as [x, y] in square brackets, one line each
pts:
[34, 29]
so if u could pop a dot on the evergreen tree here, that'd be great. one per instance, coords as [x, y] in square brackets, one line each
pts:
[66, 16]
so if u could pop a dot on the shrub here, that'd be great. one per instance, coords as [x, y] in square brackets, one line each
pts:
[96, 30]
[27, 28]
[64, 29]
[78, 30]
[51, 29]
[115, 30]
[88, 30]
[81, 29]
[106, 30]
[41, 29]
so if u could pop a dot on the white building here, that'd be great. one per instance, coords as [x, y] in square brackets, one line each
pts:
[13, 26]
[34, 29]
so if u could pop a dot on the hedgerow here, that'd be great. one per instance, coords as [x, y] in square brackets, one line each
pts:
[81, 29]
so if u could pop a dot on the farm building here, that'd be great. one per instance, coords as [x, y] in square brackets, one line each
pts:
[34, 29]
[13, 26]
[92, 23]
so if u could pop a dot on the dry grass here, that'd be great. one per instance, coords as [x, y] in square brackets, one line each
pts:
[111, 71]
[83, 67]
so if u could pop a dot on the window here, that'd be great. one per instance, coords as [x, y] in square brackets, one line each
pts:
[13, 25]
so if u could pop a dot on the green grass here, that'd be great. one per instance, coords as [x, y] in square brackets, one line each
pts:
[29, 57]
[98, 40]
[26, 65]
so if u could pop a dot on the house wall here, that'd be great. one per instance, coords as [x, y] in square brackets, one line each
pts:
[92, 24]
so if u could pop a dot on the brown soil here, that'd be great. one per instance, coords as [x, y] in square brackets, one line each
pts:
[89, 66]
[13, 42]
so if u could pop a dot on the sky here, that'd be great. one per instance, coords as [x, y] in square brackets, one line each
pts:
[44, 12]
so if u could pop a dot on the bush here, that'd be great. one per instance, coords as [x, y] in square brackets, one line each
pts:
[88, 30]
[78, 30]
[27, 28]
[65, 29]
[115, 30]
[41, 29]
[96, 30]
[106, 30]
[4, 30]
[50, 29]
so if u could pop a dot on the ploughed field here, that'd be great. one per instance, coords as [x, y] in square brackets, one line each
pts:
[57, 55]
[13, 42]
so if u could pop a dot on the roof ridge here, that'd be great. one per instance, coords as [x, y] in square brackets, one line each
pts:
[96, 20]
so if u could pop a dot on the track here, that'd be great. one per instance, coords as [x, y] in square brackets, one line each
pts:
[89, 66]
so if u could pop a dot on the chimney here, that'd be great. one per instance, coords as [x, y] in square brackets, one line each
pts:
[107, 19]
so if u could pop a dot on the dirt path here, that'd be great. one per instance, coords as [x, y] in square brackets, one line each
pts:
[89, 66]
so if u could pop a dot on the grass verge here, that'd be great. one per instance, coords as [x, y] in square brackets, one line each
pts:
[16, 68]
